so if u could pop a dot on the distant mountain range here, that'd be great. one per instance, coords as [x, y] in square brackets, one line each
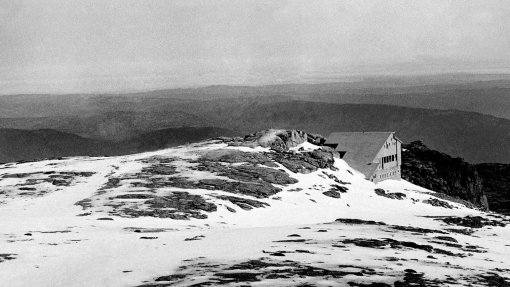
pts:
[455, 114]
[476, 137]
[484, 93]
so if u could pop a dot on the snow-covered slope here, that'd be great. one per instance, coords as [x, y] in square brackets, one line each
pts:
[213, 213]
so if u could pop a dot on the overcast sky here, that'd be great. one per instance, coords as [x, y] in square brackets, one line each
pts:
[126, 45]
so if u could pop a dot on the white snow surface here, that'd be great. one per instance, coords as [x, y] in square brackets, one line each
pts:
[55, 242]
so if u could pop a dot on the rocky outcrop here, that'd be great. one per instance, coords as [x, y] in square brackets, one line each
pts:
[304, 162]
[496, 185]
[276, 139]
[395, 195]
[442, 173]
[280, 142]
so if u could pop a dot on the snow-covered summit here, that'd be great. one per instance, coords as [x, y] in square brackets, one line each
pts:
[132, 220]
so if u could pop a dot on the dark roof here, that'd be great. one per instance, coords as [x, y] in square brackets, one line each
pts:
[361, 148]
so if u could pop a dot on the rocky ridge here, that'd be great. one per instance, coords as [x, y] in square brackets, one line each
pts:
[442, 173]
[496, 185]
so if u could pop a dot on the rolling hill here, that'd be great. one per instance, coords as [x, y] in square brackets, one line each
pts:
[236, 213]
[16, 145]
[475, 137]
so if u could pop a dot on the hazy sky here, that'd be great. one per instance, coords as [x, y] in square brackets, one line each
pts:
[124, 45]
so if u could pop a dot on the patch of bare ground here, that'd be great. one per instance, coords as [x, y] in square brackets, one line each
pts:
[264, 271]
[394, 195]
[176, 205]
[471, 221]
[271, 271]
[30, 186]
[7, 256]
[231, 171]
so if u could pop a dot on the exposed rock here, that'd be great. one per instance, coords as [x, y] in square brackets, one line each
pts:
[396, 244]
[417, 229]
[333, 177]
[332, 193]
[495, 280]
[471, 221]
[84, 203]
[135, 196]
[173, 277]
[304, 162]
[395, 195]
[339, 188]
[440, 172]
[455, 199]
[242, 202]
[112, 183]
[291, 240]
[260, 189]
[198, 237]
[247, 173]
[446, 238]
[278, 140]
[237, 156]
[264, 271]
[316, 139]
[176, 205]
[437, 202]
[413, 278]
[359, 221]
[496, 185]
[465, 231]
